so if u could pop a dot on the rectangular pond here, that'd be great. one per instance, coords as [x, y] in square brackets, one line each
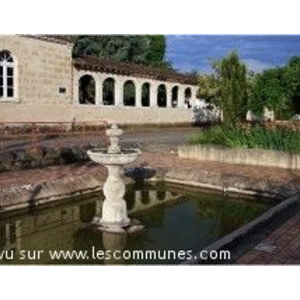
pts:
[176, 219]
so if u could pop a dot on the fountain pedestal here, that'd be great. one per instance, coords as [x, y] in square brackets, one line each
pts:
[114, 211]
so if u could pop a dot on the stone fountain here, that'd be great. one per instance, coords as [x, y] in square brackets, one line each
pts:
[114, 210]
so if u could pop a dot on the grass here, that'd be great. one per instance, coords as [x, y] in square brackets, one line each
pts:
[250, 137]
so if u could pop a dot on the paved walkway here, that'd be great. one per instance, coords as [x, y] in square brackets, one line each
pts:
[143, 137]
[282, 246]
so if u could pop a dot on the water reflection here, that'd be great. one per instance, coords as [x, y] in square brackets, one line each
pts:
[143, 197]
[172, 222]
[114, 243]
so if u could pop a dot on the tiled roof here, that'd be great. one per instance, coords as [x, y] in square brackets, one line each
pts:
[130, 69]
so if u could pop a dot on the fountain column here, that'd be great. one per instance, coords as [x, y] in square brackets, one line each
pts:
[114, 210]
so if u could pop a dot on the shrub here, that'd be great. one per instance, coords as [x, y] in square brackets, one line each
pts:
[250, 137]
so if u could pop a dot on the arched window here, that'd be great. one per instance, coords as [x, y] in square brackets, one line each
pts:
[7, 79]
[87, 90]
[129, 93]
[175, 96]
[108, 89]
[161, 96]
[146, 94]
[187, 97]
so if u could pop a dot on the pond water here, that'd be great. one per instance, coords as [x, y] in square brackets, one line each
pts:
[175, 218]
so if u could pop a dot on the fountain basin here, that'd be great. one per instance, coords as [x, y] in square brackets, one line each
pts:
[102, 156]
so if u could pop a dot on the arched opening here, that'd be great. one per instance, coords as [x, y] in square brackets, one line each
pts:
[108, 91]
[161, 96]
[175, 96]
[6, 75]
[187, 97]
[146, 94]
[87, 90]
[129, 93]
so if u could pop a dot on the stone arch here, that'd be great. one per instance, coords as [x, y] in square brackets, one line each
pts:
[129, 93]
[87, 90]
[187, 97]
[162, 96]
[174, 98]
[146, 94]
[108, 91]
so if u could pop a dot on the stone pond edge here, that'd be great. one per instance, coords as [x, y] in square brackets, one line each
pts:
[34, 195]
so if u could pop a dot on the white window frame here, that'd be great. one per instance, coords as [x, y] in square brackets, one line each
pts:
[5, 64]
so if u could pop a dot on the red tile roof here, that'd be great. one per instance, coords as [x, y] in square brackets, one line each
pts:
[130, 69]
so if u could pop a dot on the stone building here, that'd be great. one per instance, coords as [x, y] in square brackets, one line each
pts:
[41, 82]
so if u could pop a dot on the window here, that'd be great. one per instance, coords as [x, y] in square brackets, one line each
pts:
[6, 75]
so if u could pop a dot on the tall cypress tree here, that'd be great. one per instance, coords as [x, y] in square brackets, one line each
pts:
[233, 89]
[156, 50]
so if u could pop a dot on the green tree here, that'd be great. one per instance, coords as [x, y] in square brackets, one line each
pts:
[269, 90]
[292, 83]
[155, 55]
[209, 89]
[141, 49]
[233, 89]
[277, 89]
[157, 48]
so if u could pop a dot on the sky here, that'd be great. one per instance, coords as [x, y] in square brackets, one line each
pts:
[259, 52]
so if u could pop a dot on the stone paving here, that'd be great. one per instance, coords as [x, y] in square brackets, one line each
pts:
[282, 246]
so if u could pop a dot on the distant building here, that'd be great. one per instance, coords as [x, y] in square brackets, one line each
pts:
[40, 82]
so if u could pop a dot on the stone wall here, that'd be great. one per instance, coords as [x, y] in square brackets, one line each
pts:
[41, 69]
[254, 157]
[132, 115]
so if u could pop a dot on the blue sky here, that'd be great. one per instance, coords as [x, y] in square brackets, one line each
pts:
[259, 52]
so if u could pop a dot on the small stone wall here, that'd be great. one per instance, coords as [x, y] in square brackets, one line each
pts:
[32, 195]
[132, 115]
[253, 157]
[40, 157]
[233, 183]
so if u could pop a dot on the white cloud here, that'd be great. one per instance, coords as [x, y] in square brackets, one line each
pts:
[185, 66]
[256, 65]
